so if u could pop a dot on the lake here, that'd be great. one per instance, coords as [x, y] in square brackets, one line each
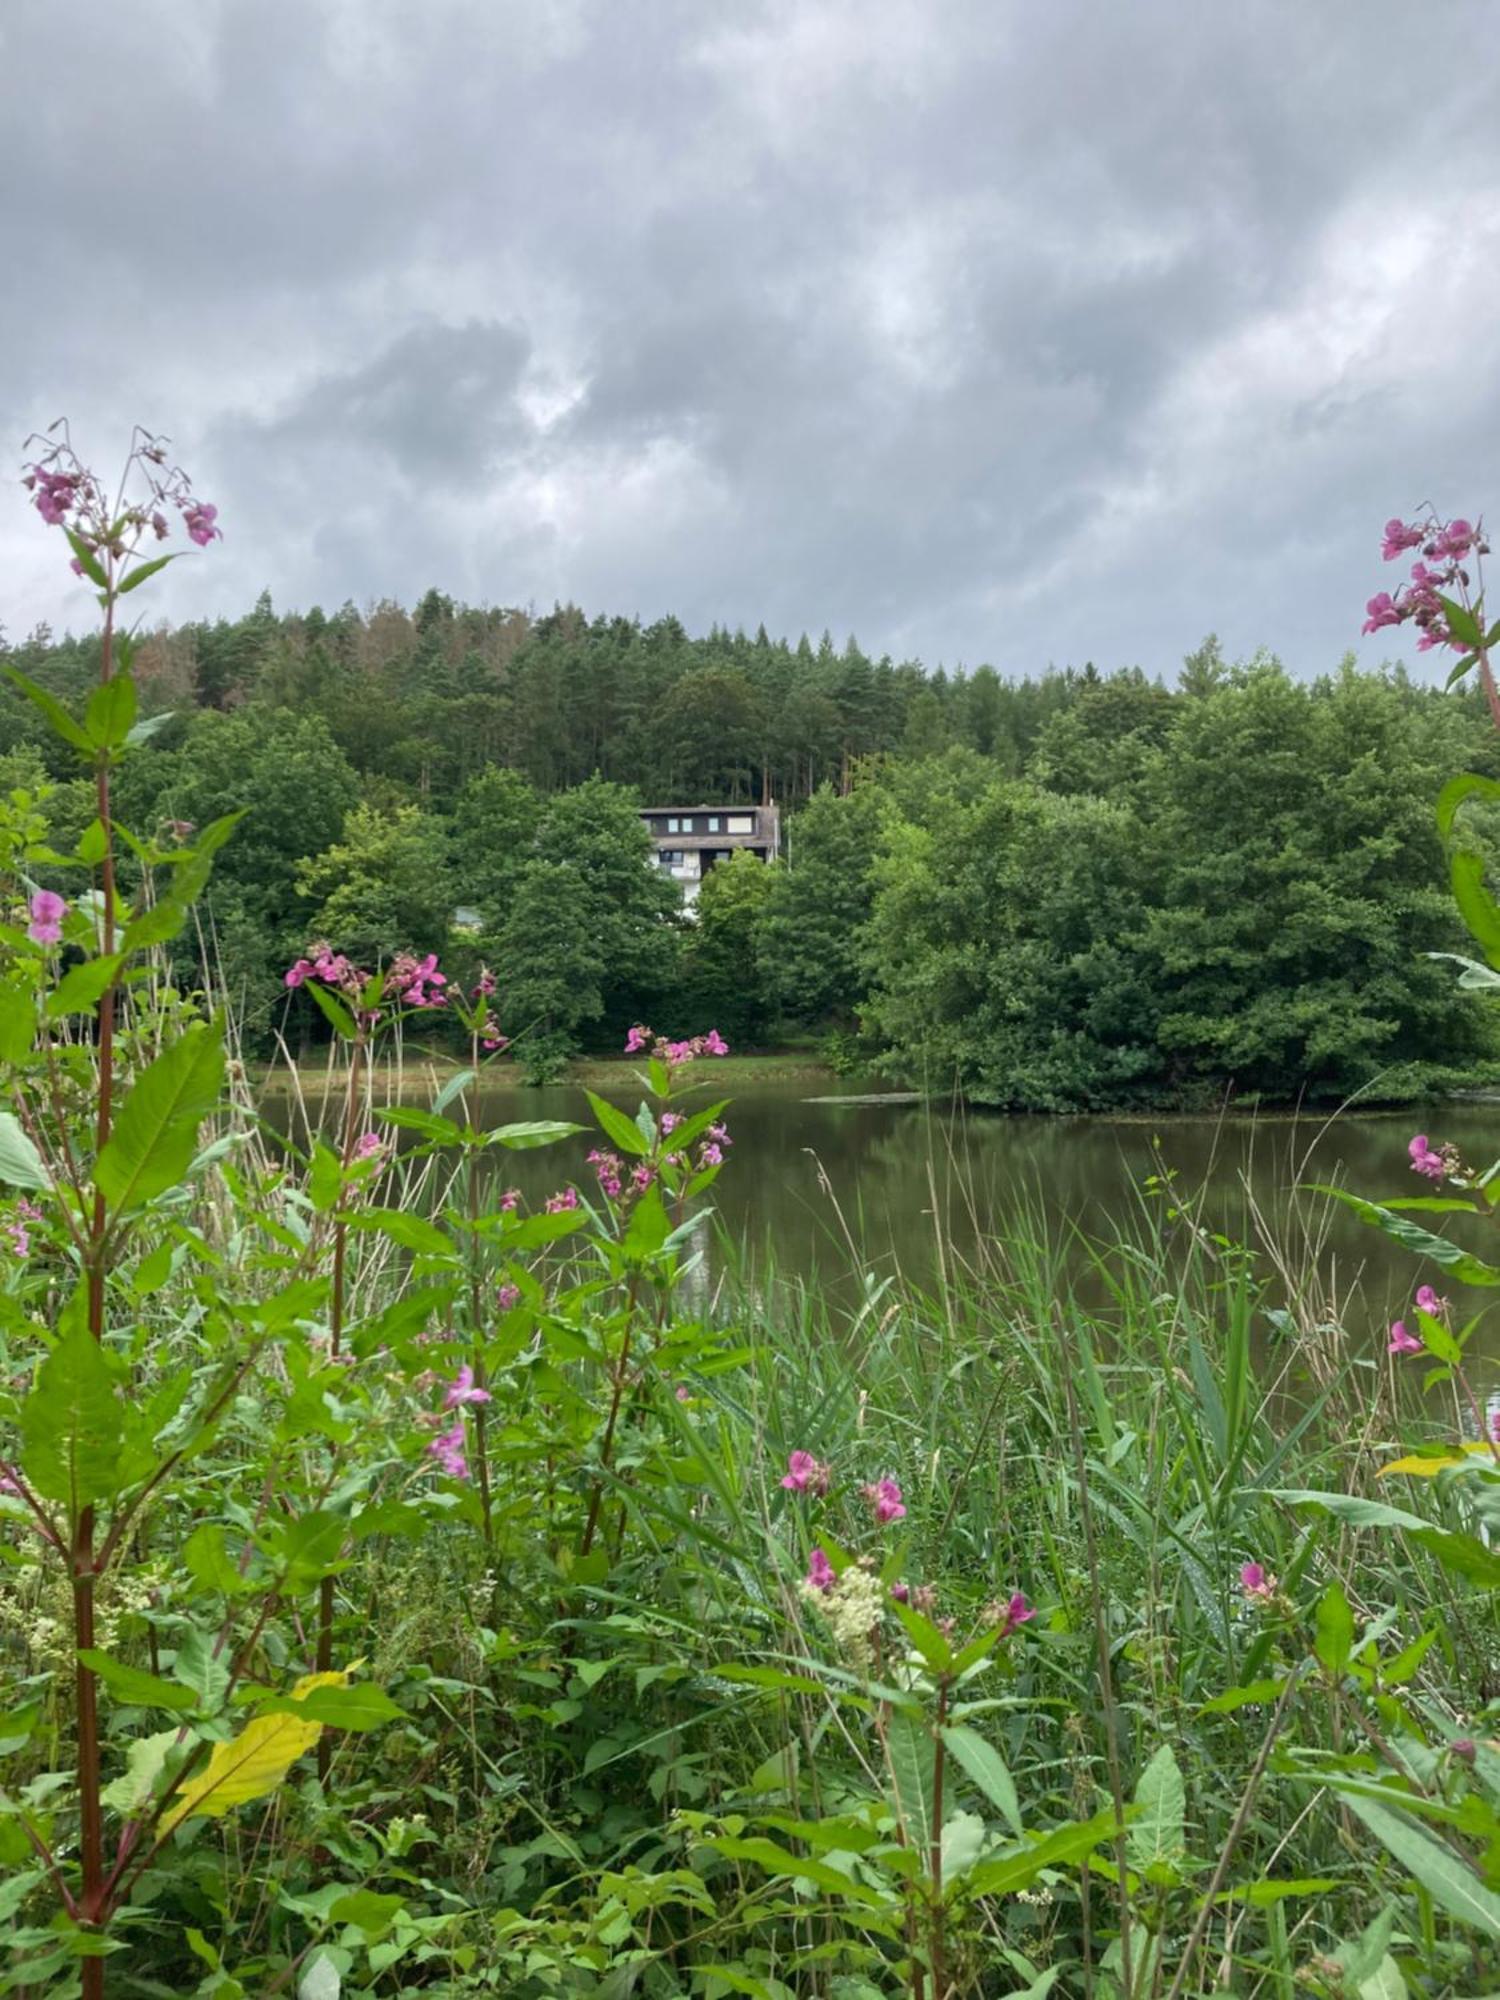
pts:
[845, 1188]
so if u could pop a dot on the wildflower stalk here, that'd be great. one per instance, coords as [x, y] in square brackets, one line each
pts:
[937, 1940]
[335, 1340]
[1101, 1639]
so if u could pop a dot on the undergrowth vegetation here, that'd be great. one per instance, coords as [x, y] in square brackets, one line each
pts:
[408, 1591]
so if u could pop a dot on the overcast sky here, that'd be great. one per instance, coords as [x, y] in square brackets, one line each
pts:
[982, 331]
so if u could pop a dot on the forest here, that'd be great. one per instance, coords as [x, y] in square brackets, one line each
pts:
[1058, 891]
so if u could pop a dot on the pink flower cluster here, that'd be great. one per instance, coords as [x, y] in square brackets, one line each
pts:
[609, 1169]
[1256, 1584]
[47, 912]
[885, 1501]
[643, 1041]
[450, 1447]
[1427, 1160]
[416, 982]
[806, 1474]
[411, 982]
[68, 496]
[561, 1202]
[1449, 545]
[1404, 1342]
[16, 1229]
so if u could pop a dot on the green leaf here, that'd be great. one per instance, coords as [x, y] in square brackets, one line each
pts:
[1009, 1872]
[1461, 622]
[325, 1180]
[337, 1014]
[536, 1132]
[87, 561]
[617, 1128]
[78, 991]
[780, 1861]
[358, 1707]
[54, 711]
[963, 1841]
[134, 1685]
[442, 1130]
[1255, 1694]
[17, 1020]
[984, 1764]
[911, 1756]
[1470, 785]
[142, 570]
[1156, 1834]
[1261, 1895]
[1439, 1870]
[72, 1425]
[20, 1162]
[199, 1667]
[93, 844]
[1458, 1263]
[1475, 904]
[412, 1232]
[111, 712]
[207, 1561]
[649, 1225]
[1334, 1641]
[156, 1135]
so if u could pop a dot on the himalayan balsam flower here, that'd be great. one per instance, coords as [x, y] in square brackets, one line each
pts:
[637, 1039]
[368, 1145]
[820, 1572]
[1424, 1160]
[1015, 1611]
[199, 521]
[508, 1296]
[1429, 1302]
[884, 1497]
[558, 1204]
[511, 1199]
[1401, 1342]
[462, 1390]
[805, 1474]
[448, 1450]
[47, 912]
[1255, 1583]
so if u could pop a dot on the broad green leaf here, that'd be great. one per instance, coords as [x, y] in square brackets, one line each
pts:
[1461, 622]
[203, 1669]
[1335, 1631]
[649, 1225]
[1156, 1834]
[133, 1684]
[963, 1841]
[358, 1707]
[1439, 1870]
[1254, 1695]
[325, 1179]
[17, 1020]
[155, 1137]
[535, 1132]
[1458, 1263]
[412, 1232]
[142, 570]
[72, 1425]
[1009, 1872]
[984, 1764]
[1261, 1895]
[617, 1128]
[253, 1764]
[333, 1009]
[797, 1867]
[206, 1559]
[911, 1755]
[20, 1162]
[64, 724]
[110, 714]
[145, 1764]
[79, 989]
[1476, 905]
[411, 1119]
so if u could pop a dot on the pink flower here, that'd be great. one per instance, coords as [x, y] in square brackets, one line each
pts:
[1255, 1583]
[884, 1497]
[461, 1390]
[1017, 1612]
[20, 1241]
[805, 1474]
[901, 1592]
[820, 1572]
[714, 1044]
[1424, 1160]
[1401, 1342]
[295, 975]
[484, 986]
[1399, 536]
[1429, 1302]
[199, 521]
[608, 1172]
[511, 1199]
[508, 1296]
[683, 1393]
[1453, 542]
[637, 1039]
[720, 1135]
[47, 912]
[711, 1155]
[1383, 610]
[369, 1145]
[558, 1204]
[448, 1450]
[641, 1177]
[670, 1120]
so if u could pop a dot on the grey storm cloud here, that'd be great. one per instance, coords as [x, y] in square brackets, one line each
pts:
[985, 332]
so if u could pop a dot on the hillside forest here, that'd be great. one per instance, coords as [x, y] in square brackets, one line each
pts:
[1064, 891]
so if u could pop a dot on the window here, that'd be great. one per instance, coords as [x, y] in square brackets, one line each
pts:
[741, 823]
[670, 857]
[713, 822]
[673, 827]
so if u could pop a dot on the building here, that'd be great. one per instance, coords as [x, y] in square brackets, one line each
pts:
[690, 839]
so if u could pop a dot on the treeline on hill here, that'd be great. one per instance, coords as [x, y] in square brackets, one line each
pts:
[1067, 892]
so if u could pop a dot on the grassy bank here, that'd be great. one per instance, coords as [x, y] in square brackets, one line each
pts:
[419, 1070]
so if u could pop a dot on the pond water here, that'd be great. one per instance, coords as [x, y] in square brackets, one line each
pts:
[833, 1187]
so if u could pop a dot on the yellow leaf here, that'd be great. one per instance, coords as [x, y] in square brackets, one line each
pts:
[254, 1762]
[1421, 1467]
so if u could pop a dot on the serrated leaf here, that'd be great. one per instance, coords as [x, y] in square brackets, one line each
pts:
[72, 1425]
[358, 1708]
[412, 1232]
[203, 1669]
[155, 1137]
[111, 712]
[984, 1764]
[142, 570]
[617, 1128]
[1155, 1836]
[135, 1685]
[61, 721]
[80, 987]
[534, 1132]
[1458, 1263]
[1439, 1870]
[1334, 1637]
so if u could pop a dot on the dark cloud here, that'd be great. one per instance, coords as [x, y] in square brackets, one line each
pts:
[984, 331]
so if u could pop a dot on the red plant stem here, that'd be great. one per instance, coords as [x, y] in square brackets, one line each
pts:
[336, 1335]
[93, 1901]
[606, 1448]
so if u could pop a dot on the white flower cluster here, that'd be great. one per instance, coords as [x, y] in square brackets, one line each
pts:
[852, 1610]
